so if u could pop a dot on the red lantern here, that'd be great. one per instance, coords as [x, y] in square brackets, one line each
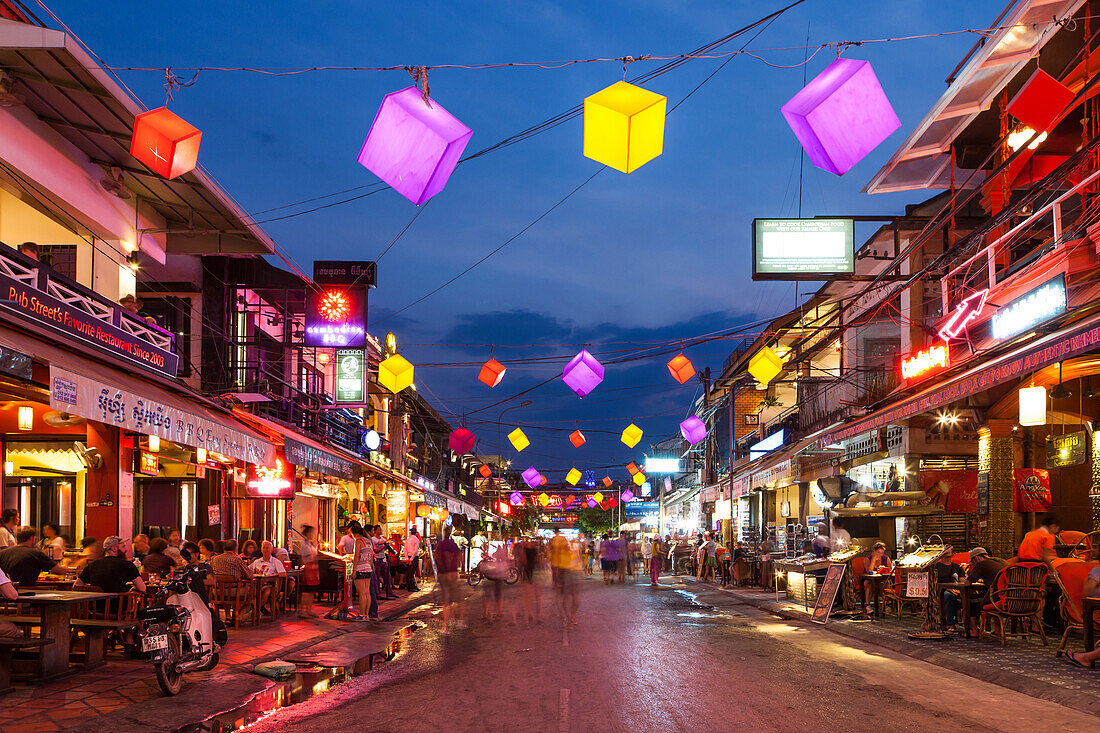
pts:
[485, 471]
[423, 510]
[570, 499]
[612, 502]
[632, 467]
[1040, 100]
[166, 143]
[492, 372]
[576, 438]
[607, 481]
[680, 368]
[462, 441]
[542, 480]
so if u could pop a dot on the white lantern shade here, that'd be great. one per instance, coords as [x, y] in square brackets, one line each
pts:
[1033, 406]
[154, 443]
[26, 417]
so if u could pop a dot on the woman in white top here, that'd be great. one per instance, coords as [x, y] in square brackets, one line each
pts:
[52, 543]
[364, 568]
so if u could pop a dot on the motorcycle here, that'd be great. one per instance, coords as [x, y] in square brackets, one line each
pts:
[180, 631]
[479, 572]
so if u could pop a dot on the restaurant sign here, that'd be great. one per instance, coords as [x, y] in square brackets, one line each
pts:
[1067, 450]
[95, 400]
[351, 377]
[44, 309]
[1030, 309]
[925, 362]
[322, 461]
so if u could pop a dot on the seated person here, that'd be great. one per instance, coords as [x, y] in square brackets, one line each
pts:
[8, 593]
[1038, 544]
[250, 550]
[267, 564]
[140, 546]
[1092, 590]
[228, 562]
[24, 562]
[157, 562]
[91, 549]
[949, 572]
[192, 555]
[983, 571]
[207, 549]
[113, 572]
[878, 559]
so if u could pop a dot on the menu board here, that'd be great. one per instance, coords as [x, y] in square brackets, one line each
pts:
[827, 595]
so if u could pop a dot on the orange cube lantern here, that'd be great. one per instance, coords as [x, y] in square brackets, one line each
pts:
[632, 467]
[680, 368]
[485, 471]
[607, 481]
[576, 438]
[166, 143]
[492, 372]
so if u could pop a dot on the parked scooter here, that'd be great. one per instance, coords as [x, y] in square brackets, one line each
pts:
[180, 630]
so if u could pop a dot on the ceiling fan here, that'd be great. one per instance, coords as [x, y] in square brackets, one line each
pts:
[56, 419]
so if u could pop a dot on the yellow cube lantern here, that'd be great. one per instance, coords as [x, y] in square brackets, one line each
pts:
[765, 365]
[624, 126]
[573, 476]
[519, 440]
[544, 498]
[632, 435]
[639, 478]
[395, 373]
[598, 497]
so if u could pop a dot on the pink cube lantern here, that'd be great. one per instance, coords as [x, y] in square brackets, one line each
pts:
[462, 441]
[693, 429]
[412, 145]
[591, 503]
[582, 373]
[841, 116]
[627, 496]
[516, 498]
[532, 477]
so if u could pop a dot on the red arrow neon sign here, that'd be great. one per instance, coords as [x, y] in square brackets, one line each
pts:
[965, 312]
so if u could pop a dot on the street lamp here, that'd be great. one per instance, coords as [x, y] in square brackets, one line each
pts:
[500, 420]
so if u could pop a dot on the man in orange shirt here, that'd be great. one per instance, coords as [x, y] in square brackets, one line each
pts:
[1038, 544]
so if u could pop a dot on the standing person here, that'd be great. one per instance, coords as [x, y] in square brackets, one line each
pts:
[560, 564]
[710, 558]
[647, 553]
[609, 559]
[463, 544]
[527, 558]
[382, 579]
[589, 554]
[9, 525]
[53, 544]
[624, 556]
[840, 538]
[448, 555]
[478, 544]
[410, 553]
[655, 559]
[363, 552]
[346, 543]
[311, 571]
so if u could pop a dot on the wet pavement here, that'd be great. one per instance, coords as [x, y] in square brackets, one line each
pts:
[675, 658]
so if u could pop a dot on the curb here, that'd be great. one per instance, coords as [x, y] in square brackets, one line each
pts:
[938, 655]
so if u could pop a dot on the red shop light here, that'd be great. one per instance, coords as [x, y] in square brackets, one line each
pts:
[165, 142]
[925, 361]
[965, 312]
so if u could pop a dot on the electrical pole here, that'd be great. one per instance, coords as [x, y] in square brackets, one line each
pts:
[708, 464]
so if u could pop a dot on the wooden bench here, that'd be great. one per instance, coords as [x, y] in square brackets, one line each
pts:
[95, 635]
[9, 645]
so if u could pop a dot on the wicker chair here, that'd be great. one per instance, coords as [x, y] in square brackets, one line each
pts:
[895, 592]
[233, 597]
[1017, 596]
[1071, 574]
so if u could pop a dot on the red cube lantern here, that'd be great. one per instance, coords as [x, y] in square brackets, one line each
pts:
[680, 368]
[542, 480]
[612, 502]
[1040, 100]
[576, 438]
[462, 441]
[492, 372]
[166, 143]
[607, 481]
[485, 471]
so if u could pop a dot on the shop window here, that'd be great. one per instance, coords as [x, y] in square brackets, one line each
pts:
[61, 257]
[173, 314]
[310, 380]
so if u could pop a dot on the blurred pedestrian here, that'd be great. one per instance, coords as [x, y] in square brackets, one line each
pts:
[311, 571]
[527, 561]
[655, 559]
[411, 555]
[609, 559]
[495, 570]
[383, 583]
[647, 553]
[448, 556]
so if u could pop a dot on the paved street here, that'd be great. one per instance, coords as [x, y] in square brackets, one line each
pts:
[644, 659]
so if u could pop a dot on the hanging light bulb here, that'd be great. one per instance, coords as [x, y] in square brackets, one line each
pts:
[154, 443]
[26, 417]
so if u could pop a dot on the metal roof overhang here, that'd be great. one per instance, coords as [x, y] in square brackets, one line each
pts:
[923, 160]
[68, 90]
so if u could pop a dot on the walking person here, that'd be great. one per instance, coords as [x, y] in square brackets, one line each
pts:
[410, 553]
[382, 580]
[624, 556]
[363, 552]
[656, 556]
[647, 553]
[311, 571]
[609, 559]
[448, 556]
[527, 559]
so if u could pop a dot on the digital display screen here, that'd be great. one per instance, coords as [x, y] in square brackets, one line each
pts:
[802, 249]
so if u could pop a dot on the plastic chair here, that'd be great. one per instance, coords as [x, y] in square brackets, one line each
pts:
[1070, 575]
[1016, 595]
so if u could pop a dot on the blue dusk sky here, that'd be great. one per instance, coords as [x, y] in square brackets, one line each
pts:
[632, 260]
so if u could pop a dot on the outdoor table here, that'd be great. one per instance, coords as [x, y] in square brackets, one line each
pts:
[878, 582]
[964, 596]
[1088, 606]
[55, 609]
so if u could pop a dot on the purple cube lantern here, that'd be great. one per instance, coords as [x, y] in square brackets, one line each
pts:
[462, 441]
[582, 373]
[532, 477]
[841, 116]
[591, 503]
[413, 146]
[516, 498]
[627, 496]
[693, 429]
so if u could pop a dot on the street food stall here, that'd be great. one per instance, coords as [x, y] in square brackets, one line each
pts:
[802, 575]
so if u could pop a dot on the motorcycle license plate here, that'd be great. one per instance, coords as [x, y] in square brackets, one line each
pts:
[153, 643]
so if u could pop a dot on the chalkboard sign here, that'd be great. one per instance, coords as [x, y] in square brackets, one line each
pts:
[1067, 450]
[827, 594]
[983, 492]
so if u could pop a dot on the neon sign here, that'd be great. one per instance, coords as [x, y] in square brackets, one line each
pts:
[336, 317]
[965, 312]
[276, 482]
[1031, 309]
[924, 361]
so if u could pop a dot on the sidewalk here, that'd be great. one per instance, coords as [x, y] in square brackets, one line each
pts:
[124, 696]
[1024, 665]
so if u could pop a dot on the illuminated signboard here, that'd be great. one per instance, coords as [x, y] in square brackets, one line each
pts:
[965, 312]
[769, 443]
[336, 317]
[276, 482]
[662, 465]
[351, 377]
[341, 272]
[925, 362]
[802, 249]
[1030, 309]
[149, 463]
